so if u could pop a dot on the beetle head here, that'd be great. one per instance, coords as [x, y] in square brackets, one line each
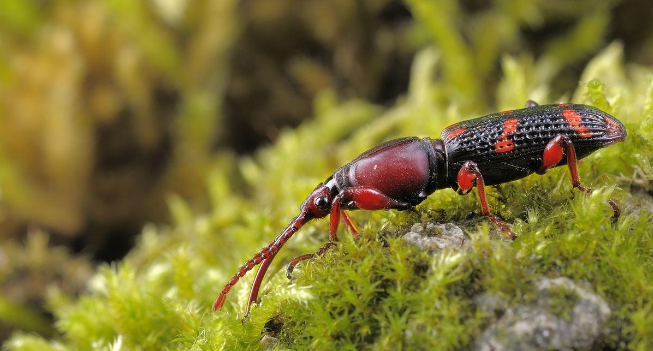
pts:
[318, 203]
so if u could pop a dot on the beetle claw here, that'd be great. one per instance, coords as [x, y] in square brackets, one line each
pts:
[289, 269]
[616, 209]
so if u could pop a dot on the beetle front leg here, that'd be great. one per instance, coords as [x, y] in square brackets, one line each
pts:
[346, 220]
[468, 176]
[553, 155]
[333, 237]
[364, 198]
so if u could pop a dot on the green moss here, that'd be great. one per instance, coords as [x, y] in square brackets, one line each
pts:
[379, 292]
[562, 302]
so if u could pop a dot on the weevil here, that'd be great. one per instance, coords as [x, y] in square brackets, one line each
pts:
[401, 173]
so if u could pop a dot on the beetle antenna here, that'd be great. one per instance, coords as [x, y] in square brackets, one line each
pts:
[265, 255]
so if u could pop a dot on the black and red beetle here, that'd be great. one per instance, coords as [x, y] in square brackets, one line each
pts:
[401, 173]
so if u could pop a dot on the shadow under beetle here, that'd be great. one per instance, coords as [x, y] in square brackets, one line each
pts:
[401, 173]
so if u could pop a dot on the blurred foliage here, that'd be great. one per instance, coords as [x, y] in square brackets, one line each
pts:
[107, 107]
[290, 50]
[27, 271]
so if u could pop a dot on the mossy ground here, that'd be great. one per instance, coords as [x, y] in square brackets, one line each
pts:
[379, 292]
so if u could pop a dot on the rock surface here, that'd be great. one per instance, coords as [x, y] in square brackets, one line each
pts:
[563, 316]
[435, 237]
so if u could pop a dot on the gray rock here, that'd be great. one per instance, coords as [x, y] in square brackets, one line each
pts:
[542, 324]
[639, 202]
[268, 342]
[435, 237]
[491, 304]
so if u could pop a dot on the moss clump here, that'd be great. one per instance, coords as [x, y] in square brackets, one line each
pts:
[380, 292]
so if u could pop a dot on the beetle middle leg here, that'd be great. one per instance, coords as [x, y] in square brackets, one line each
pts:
[553, 155]
[468, 176]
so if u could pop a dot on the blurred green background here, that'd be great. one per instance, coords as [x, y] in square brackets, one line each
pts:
[111, 111]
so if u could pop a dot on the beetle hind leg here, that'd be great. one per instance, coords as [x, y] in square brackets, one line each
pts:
[468, 176]
[553, 153]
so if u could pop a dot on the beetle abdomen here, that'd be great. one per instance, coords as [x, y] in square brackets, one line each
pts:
[509, 145]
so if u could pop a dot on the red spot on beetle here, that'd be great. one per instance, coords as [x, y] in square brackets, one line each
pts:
[510, 126]
[455, 132]
[506, 112]
[505, 145]
[575, 121]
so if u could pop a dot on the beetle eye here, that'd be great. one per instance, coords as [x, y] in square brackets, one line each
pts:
[322, 203]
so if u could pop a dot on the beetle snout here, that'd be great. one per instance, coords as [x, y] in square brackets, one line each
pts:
[615, 131]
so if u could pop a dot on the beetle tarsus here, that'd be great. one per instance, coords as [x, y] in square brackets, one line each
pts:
[291, 265]
[616, 209]
[503, 226]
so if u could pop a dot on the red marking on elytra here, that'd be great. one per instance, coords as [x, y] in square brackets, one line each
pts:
[613, 128]
[575, 121]
[510, 126]
[456, 132]
[505, 145]
[506, 112]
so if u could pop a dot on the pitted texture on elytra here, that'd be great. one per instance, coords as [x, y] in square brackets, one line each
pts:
[483, 139]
